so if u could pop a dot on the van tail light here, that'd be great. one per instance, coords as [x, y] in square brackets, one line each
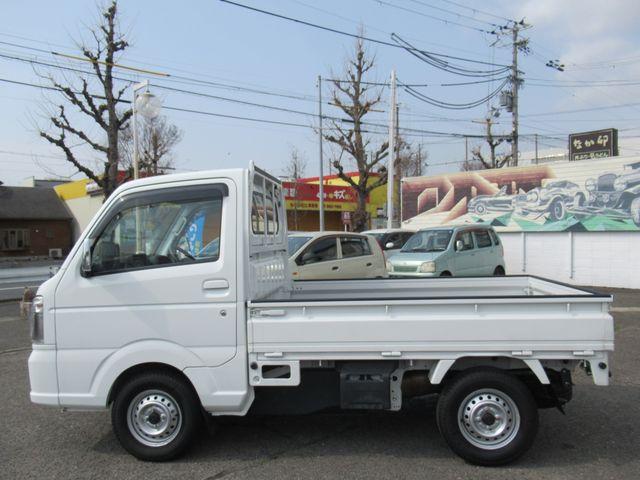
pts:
[36, 320]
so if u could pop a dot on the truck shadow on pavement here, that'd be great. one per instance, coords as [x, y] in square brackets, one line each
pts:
[599, 427]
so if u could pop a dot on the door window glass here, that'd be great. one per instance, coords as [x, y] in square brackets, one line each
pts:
[494, 237]
[164, 233]
[467, 240]
[354, 247]
[323, 250]
[483, 239]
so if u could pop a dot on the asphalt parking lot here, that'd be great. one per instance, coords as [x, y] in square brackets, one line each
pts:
[598, 438]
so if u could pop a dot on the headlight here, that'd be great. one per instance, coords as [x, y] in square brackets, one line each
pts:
[620, 184]
[36, 319]
[389, 266]
[428, 267]
[532, 196]
[590, 185]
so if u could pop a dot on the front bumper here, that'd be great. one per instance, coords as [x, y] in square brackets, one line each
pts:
[413, 274]
[43, 376]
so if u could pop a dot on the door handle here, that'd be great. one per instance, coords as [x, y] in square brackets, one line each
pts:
[369, 264]
[218, 284]
[335, 268]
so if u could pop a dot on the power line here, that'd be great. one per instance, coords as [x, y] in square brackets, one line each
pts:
[426, 15]
[171, 77]
[451, 12]
[432, 60]
[452, 106]
[406, 131]
[375, 29]
[352, 35]
[473, 9]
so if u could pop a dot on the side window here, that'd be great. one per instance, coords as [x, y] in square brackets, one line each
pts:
[483, 239]
[467, 240]
[494, 237]
[323, 250]
[161, 233]
[354, 247]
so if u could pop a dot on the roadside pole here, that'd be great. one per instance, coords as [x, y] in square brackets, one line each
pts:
[321, 176]
[392, 146]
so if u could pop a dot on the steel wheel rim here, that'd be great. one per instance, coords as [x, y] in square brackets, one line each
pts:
[488, 419]
[154, 418]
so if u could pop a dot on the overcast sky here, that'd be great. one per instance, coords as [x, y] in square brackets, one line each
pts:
[221, 43]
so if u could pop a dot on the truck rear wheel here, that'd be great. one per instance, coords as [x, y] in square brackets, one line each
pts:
[155, 416]
[487, 417]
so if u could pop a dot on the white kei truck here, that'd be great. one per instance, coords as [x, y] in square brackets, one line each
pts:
[176, 305]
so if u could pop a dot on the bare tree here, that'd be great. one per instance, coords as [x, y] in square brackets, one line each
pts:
[295, 170]
[352, 97]
[495, 160]
[470, 165]
[100, 106]
[157, 139]
[411, 159]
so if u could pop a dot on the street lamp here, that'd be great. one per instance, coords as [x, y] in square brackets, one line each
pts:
[148, 105]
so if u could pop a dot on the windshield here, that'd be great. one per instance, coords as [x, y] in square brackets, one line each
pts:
[428, 241]
[294, 243]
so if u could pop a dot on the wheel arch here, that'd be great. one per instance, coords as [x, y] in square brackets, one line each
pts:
[139, 356]
[446, 368]
[134, 370]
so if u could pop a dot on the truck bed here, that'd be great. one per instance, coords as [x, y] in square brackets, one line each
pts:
[515, 316]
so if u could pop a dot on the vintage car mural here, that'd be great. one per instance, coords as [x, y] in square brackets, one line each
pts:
[616, 194]
[499, 202]
[556, 198]
[586, 195]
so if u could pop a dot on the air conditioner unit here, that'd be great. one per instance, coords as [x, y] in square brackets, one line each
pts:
[55, 253]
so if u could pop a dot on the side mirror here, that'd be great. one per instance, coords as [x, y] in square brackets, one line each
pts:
[85, 265]
[389, 245]
[459, 245]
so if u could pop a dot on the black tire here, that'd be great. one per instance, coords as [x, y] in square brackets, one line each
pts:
[557, 210]
[486, 387]
[446, 273]
[156, 393]
[634, 210]
[499, 271]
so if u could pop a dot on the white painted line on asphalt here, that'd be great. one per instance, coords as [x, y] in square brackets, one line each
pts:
[16, 288]
[9, 319]
[625, 309]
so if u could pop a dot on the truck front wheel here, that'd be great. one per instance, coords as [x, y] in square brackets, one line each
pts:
[487, 417]
[155, 416]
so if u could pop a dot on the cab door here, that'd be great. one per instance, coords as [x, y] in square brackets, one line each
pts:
[320, 260]
[464, 262]
[163, 272]
[358, 260]
[486, 252]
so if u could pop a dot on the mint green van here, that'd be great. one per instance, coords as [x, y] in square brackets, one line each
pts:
[465, 250]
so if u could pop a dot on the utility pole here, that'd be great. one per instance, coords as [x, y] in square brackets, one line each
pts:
[392, 147]
[536, 140]
[398, 172]
[321, 177]
[515, 80]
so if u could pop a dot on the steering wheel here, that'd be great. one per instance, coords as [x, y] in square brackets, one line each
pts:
[185, 253]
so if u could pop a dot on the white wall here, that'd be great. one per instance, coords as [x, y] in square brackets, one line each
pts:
[605, 259]
[83, 209]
